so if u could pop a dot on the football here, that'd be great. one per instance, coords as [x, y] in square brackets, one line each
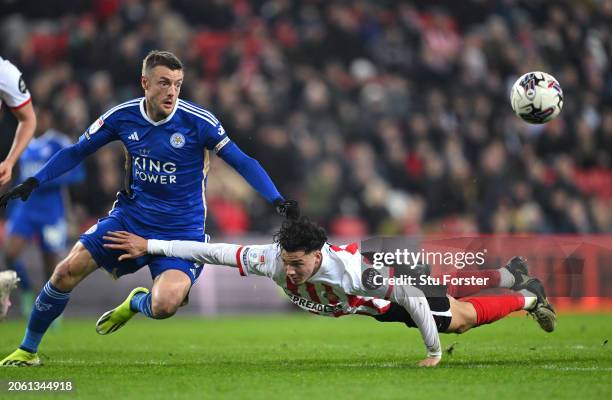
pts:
[536, 97]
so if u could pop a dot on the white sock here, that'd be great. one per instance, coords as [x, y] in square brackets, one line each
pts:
[530, 299]
[506, 279]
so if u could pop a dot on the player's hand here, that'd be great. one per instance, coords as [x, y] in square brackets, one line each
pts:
[287, 208]
[429, 362]
[133, 245]
[6, 172]
[22, 191]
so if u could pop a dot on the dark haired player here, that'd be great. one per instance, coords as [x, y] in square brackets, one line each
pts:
[327, 280]
[166, 141]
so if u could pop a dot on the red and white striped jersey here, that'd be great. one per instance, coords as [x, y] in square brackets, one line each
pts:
[331, 291]
[13, 90]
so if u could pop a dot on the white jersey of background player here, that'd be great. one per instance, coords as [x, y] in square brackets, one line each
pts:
[15, 94]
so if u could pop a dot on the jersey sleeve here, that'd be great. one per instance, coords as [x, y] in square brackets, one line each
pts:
[13, 89]
[249, 259]
[212, 134]
[257, 260]
[101, 132]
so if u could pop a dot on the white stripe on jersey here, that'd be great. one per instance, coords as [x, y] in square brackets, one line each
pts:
[130, 103]
[197, 115]
[198, 109]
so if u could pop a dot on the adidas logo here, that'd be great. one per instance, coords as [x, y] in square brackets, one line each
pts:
[134, 136]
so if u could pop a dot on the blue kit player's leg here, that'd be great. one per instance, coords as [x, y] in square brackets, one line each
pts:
[172, 280]
[53, 236]
[50, 304]
[20, 230]
[82, 260]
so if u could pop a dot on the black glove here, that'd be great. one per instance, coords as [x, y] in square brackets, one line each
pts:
[287, 208]
[22, 191]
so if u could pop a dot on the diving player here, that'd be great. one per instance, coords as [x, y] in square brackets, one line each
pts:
[167, 142]
[327, 280]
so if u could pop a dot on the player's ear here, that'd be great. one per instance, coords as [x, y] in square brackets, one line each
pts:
[144, 82]
[318, 256]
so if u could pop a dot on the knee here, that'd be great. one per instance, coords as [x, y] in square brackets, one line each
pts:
[66, 274]
[62, 277]
[164, 307]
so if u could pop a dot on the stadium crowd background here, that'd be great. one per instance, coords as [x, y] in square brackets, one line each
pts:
[380, 117]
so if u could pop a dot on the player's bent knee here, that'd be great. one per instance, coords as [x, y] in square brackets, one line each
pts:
[165, 306]
[61, 277]
[163, 309]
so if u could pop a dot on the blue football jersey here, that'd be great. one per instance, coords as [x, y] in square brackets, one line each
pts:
[46, 203]
[166, 164]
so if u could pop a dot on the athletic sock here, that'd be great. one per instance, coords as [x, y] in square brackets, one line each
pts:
[141, 302]
[506, 278]
[530, 299]
[49, 305]
[491, 308]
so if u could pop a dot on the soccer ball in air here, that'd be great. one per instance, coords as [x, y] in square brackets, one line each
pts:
[536, 97]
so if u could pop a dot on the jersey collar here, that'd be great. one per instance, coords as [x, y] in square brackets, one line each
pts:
[323, 269]
[143, 112]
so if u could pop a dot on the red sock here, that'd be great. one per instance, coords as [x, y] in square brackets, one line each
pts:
[490, 309]
[458, 291]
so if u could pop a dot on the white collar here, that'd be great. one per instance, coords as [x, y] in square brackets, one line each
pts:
[323, 269]
[160, 122]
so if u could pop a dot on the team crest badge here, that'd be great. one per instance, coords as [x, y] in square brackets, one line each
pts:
[177, 140]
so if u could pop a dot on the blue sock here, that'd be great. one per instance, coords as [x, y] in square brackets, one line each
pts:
[49, 305]
[22, 273]
[141, 302]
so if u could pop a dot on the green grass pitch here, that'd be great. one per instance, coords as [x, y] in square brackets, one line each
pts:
[307, 357]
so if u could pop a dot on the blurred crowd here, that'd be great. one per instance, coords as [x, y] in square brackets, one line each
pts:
[379, 117]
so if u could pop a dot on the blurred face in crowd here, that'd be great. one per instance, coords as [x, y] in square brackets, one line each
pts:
[162, 86]
[299, 266]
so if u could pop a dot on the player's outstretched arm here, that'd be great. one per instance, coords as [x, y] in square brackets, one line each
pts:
[135, 246]
[25, 130]
[62, 161]
[414, 301]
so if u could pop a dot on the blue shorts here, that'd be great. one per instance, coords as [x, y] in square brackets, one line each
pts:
[108, 258]
[50, 231]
